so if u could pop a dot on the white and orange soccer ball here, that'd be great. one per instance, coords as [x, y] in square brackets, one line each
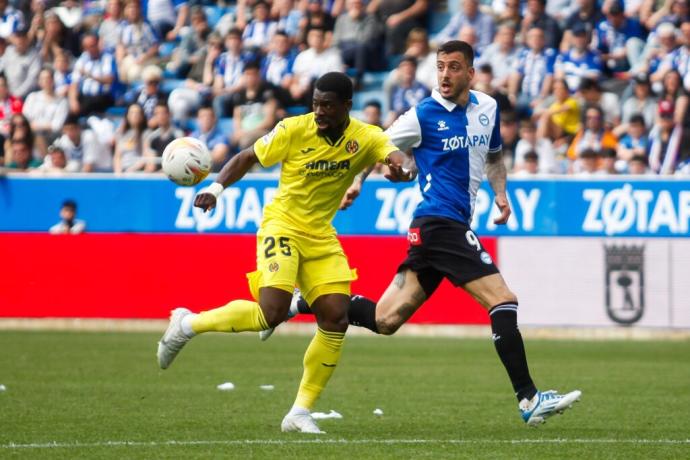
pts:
[186, 161]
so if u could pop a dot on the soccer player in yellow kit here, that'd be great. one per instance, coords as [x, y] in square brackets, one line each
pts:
[321, 152]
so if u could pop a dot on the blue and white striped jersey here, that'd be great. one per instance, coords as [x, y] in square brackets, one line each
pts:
[534, 67]
[450, 144]
[102, 67]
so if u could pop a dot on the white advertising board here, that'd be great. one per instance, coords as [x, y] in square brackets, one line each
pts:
[599, 281]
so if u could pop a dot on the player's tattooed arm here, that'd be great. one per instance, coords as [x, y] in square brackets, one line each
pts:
[355, 189]
[497, 175]
[401, 166]
[234, 170]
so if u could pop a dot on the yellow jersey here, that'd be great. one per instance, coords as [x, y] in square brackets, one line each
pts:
[315, 173]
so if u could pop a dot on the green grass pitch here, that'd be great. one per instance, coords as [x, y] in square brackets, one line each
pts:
[101, 395]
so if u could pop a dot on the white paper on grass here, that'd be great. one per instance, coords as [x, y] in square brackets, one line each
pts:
[378, 412]
[322, 415]
[227, 386]
[267, 387]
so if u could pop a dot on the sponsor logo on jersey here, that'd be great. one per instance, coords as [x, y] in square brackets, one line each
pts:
[325, 168]
[463, 142]
[414, 237]
[307, 150]
[484, 120]
[442, 126]
[273, 267]
[352, 147]
[485, 257]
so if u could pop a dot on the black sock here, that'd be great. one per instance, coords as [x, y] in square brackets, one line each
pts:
[511, 350]
[362, 313]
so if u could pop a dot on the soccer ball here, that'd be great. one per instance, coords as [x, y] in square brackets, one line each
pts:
[186, 161]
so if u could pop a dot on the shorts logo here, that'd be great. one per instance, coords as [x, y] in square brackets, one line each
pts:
[414, 237]
[273, 267]
[484, 120]
[486, 258]
[352, 147]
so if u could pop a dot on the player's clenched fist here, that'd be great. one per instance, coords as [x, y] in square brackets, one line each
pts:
[205, 201]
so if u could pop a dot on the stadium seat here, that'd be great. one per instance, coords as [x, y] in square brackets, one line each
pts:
[374, 80]
[437, 21]
[166, 49]
[362, 97]
[297, 110]
[170, 84]
[213, 14]
[115, 111]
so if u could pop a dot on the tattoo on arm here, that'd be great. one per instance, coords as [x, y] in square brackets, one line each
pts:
[496, 172]
[399, 280]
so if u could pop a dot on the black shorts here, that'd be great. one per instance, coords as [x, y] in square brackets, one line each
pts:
[444, 248]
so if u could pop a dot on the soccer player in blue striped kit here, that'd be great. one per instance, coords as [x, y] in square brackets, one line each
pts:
[455, 138]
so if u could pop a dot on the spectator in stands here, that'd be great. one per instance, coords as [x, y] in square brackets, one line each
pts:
[9, 106]
[91, 90]
[609, 162]
[509, 135]
[468, 15]
[502, 55]
[255, 109]
[531, 82]
[22, 156]
[11, 20]
[45, 111]
[53, 37]
[109, 28]
[57, 162]
[531, 142]
[358, 35]
[620, 40]
[672, 91]
[561, 10]
[62, 74]
[19, 129]
[656, 12]
[592, 94]
[642, 101]
[483, 81]
[588, 163]
[407, 91]
[259, 31]
[530, 165]
[593, 135]
[316, 17]
[209, 133]
[561, 120]
[372, 113]
[190, 54]
[288, 17]
[399, 17]
[137, 45]
[167, 17]
[637, 165]
[129, 141]
[155, 140]
[83, 150]
[418, 46]
[635, 140]
[579, 61]
[510, 13]
[659, 46]
[468, 34]
[678, 60]
[227, 74]
[22, 65]
[69, 224]
[151, 93]
[311, 63]
[536, 16]
[588, 15]
[668, 141]
[277, 67]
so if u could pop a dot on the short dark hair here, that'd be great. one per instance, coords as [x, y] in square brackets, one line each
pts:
[639, 157]
[336, 82]
[409, 59]
[70, 204]
[637, 118]
[373, 103]
[72, 119]
[234, 31]
[252, 65]
[589, 83]
[608, 152]
[458, 46]
[531, 156]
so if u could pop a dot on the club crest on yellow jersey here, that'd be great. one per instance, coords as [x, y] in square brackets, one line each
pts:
[352, 146]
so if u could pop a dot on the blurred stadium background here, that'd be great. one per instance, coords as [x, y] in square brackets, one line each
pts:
[594, 101]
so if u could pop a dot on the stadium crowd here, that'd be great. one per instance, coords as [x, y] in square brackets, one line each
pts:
[584, 88]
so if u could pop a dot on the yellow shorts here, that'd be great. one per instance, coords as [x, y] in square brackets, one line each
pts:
[287, 258]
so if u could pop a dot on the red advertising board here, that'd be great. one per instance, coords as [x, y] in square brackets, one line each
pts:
[145, 275]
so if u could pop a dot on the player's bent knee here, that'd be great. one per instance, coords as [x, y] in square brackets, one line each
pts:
[388, 325]
[274, 315]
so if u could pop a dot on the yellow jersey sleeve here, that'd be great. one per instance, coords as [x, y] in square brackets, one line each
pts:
[380, 145]
[274, 147]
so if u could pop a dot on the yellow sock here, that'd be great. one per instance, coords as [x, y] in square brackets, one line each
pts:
[320, 359]
[237, 316]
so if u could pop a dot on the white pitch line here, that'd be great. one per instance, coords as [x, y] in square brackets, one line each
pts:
[72, 445]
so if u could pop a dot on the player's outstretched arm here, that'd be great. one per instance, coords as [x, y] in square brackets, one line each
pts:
[355, 189]
[234, 170]
[497, 176]
[401, 166]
